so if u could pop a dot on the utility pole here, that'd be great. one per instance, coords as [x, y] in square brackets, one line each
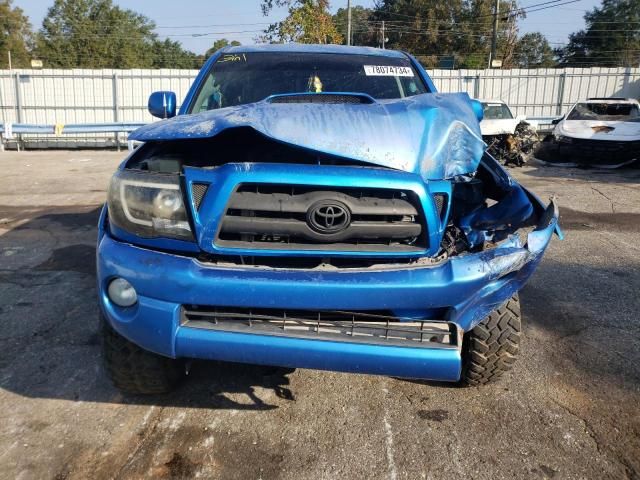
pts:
[9, 57]
[383, 38]
[494, 38]
[627, 60]
[348, 22]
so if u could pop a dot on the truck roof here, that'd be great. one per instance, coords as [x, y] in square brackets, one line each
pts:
[307, 48]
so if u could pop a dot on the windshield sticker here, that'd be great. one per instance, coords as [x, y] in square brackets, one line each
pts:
[232, 58]
[387, 71]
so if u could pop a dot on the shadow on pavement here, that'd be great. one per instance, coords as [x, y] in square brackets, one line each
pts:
[49, 340]
[590, 313]
[629, 174]
[50, 348]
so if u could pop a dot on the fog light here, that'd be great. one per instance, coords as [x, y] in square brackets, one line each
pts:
[122, 293]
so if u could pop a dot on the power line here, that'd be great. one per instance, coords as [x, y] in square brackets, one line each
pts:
[552, 6]
[214, 25]
[551, 3]
[395, 29]
[407, 22]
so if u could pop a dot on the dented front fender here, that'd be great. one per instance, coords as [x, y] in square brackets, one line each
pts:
[509, 267]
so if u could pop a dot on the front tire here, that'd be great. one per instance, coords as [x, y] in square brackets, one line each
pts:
[137, 371]
[491, 348]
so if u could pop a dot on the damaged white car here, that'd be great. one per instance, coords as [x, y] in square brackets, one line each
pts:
[598, 132]
[509, 138]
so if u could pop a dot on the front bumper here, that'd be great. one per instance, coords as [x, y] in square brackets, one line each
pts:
[466, 287]
[596, 152]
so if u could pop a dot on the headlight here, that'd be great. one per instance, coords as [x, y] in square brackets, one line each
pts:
[148, 205]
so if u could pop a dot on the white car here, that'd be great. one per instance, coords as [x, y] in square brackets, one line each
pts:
[498, 119]
[509, 138]
[603, 132]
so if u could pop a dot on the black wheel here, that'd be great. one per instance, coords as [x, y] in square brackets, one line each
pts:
[491, 348]
[137, 371]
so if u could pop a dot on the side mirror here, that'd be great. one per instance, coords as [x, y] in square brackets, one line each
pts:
[556, 121]
[162, 104]
[478, 109]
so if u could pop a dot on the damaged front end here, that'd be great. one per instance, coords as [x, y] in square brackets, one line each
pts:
[513, 149]
[304, 214]
[265, 161]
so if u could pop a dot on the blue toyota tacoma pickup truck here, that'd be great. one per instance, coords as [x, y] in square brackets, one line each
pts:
[317, 207]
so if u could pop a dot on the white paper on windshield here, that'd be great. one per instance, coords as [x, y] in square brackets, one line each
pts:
[387, 71]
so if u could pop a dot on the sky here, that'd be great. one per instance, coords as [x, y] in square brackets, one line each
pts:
[198, 23]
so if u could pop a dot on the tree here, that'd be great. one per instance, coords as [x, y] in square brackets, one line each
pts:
[170, 54]
[423, 27]
[98, 34]
[308, 21]
[611, 37]
[15, 36]
[433, 29]
[364, 30]
[533, 51]
[221, 43]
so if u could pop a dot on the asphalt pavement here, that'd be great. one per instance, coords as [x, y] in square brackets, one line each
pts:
[569, 409]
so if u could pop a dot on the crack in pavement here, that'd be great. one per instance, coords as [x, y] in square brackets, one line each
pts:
[148, 431]
[28, 283]
[388, 437]
[629, 469]
[611, 202]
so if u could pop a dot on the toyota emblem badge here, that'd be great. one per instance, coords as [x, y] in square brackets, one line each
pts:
[328, 216]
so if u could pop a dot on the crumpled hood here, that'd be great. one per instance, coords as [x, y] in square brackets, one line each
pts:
[434, 135]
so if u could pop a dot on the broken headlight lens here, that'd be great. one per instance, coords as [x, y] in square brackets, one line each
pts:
[148, 205]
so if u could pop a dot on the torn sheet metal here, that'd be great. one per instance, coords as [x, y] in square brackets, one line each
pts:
[496, 221]
[434, 135]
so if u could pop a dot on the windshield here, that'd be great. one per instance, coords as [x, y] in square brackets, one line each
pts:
[604, 111]
[237, 79]
[496, 111]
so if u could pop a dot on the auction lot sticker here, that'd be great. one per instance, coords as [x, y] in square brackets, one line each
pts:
[387, 71]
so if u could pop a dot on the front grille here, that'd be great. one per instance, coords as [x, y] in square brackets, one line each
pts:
[378, 328]
[264, 216]
[441, 204]
[199, 190]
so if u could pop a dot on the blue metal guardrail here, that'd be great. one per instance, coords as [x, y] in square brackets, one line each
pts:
[59, 129]
[8, 131]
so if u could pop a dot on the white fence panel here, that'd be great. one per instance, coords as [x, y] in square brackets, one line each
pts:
[81, 96]
[541, 92]
[135, 86]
